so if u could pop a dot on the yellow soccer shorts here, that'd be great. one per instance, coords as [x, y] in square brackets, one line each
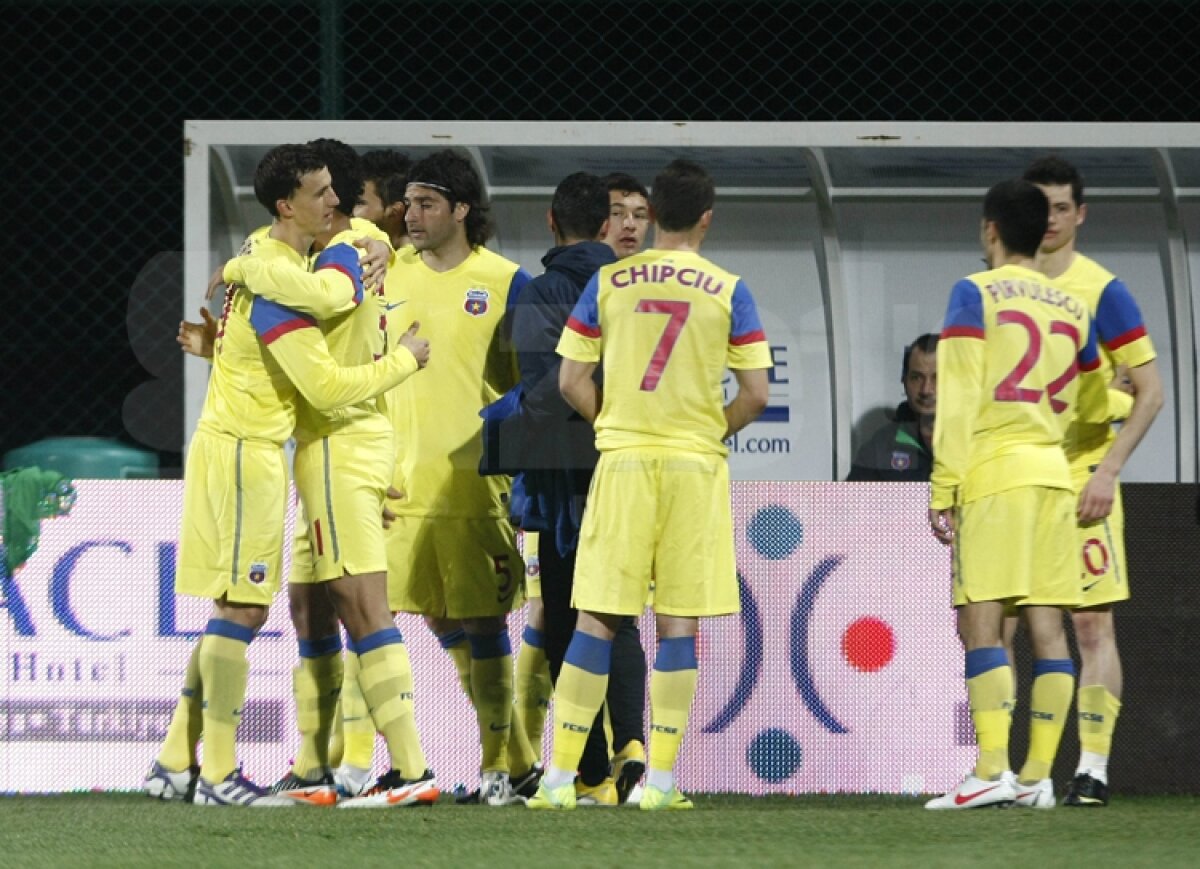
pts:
[234, 506]
[661, 520]
[1103, 579]
[454, 568]
[342, 480]
[1018, 546]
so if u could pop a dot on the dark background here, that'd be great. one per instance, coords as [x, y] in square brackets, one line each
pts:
[96, 95]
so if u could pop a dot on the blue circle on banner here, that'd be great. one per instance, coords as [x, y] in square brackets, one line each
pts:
[775, 532]
[774, 755]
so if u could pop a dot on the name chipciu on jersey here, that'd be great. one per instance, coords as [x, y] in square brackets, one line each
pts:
[660, 273]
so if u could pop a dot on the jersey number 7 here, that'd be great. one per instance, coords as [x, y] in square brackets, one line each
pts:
[678, 313]
[1010, 389]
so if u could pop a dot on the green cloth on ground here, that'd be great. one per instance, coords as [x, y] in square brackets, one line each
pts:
[28, 496]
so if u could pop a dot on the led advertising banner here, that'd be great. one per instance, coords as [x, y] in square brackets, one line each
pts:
[842, 672]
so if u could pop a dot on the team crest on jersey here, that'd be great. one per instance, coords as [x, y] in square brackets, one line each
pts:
[901, 461]
[258, 573]
[477, 302]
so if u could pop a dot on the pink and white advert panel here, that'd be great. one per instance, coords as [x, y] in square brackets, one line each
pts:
[842, 673]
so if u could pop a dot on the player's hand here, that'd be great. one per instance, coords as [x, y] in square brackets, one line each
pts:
[1121, 381]
[942, 522]
[419, 347]
[197, 339]
[388, 516]
[216, 282]
[1096, 499]
[374, 263]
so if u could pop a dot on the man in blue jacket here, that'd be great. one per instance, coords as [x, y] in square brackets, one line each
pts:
[554, 450]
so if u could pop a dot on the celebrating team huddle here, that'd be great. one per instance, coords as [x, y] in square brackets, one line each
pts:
[443, 402]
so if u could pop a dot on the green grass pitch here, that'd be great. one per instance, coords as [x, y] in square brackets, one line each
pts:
[131, 830]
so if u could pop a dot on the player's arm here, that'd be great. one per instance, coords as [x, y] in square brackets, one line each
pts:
[579, 389]
[1096, 499]
[960, 391]
[298, 346]
[1121, 328]
[750, 401]
[580, 345]
[748, 356]
[333, 287]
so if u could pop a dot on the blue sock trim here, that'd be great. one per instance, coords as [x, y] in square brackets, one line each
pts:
[351, 646]
[980, 661]
[1042, 666]
[385, 637]
[533, 637]
[676, 653]
[489, 645]
[229, 630]
[589, 653]
[320, 648]
[452, 639]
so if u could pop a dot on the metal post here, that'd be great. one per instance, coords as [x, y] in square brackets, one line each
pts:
[331, 60]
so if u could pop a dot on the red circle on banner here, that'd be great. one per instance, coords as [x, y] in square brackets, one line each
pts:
[869, 644]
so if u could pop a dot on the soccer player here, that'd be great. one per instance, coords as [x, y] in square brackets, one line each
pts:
[385, 175]
[902, 450]
[343, 464]
[628, 215]
[1097, 454]
[1008, 376]
[665, 324]
[235, 482]
[452, 554]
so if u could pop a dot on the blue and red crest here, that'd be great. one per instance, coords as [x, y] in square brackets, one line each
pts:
[901, 461]
[477, 302]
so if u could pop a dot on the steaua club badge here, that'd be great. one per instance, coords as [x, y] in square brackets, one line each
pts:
[477, 302]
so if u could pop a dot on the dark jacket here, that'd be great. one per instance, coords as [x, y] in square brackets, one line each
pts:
[895, 453]
[538, 435]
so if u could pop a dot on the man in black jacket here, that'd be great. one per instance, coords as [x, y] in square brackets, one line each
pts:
[902, 450]
[554, 450]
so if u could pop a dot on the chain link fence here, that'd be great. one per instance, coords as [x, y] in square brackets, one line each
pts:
[98, 91]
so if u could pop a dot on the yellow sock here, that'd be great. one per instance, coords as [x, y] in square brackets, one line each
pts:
[337, 733]
[582, 684]
[1049, 705]
[492, 696]
[178, 751]
[456, 646]
[316, 683]
[387, 685]
[672, 689]
[531, 699]
[358, 730]
[223, 670]
[989, 692]
[1098, 711]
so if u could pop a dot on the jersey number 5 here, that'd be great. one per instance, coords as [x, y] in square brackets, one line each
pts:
[1010, 388]
[678, 313]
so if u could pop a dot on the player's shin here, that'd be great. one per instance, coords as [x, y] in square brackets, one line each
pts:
[1049, 706]
[316, 683]
[672, 689]
[580, 692]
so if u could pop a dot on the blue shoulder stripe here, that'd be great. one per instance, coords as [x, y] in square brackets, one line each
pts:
[271, 320]
[344, 258]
